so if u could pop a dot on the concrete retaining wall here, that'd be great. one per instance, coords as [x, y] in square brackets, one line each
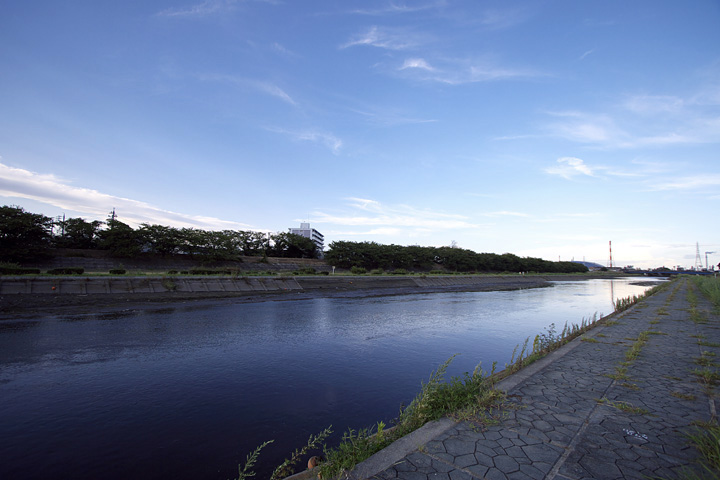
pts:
[199, 284]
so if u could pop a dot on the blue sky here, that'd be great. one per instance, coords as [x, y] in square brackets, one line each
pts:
[540, 128]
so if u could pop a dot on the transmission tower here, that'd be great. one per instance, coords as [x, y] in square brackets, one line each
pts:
[698, 258]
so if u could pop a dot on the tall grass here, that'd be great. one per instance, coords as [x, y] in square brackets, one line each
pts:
[710, 287]
[622, 304]
[465, 396]
[546, 342]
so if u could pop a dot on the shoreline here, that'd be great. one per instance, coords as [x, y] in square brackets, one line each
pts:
[42, 295]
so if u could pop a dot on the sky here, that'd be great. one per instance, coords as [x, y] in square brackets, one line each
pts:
[540, 128]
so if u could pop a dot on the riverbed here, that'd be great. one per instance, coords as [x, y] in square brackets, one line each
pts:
[187, 391]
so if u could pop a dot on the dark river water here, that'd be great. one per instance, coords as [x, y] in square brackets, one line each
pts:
[186, 392]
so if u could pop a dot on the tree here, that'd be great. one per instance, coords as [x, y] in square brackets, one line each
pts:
[77, 233]
[291, 245]
[120, 239]
[160, 239]
[24, 236]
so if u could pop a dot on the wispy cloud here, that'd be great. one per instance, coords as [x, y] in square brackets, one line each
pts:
[417, 63]
[389, 117]
[275, 91]
[326, 139]
[394, 8]
[454, 71]
[584, 55]
[266, 87]
[47, 188]
[569, 168]
[583, 127]
[505, 213]
[387, 38]
[695, 182]
[208, 7]
[371, 213]
[653, 104]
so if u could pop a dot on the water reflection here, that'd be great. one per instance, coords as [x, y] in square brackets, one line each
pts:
[187, 392]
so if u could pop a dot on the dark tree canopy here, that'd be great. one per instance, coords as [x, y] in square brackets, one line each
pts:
[371, 255]
[24, 236]
[292, 246]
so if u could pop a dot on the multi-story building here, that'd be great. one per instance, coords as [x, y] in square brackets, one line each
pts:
[312, 234]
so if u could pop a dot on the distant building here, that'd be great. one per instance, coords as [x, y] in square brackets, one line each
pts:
[312, 234]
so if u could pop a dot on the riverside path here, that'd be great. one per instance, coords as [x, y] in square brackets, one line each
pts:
[580, 412]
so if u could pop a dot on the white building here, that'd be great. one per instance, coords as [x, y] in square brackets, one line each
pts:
[310, 233]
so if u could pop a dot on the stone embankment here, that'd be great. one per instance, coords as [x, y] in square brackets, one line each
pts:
[25, 293]
[209, 284]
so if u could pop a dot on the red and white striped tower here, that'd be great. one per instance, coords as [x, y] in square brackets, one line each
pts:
[610, 263]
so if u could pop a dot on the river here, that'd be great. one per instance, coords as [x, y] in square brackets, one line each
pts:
[186, 392]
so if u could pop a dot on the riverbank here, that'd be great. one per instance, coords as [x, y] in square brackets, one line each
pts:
[42, 293]
[618, 402]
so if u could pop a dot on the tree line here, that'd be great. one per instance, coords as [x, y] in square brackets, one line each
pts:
[26, 236]
[371, 255]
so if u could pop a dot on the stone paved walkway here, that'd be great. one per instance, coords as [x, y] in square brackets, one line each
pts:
[572, 420]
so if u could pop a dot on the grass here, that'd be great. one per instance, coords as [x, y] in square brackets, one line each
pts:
[707, 377]
[622, 304]
[705, 360]
[634, 351]
[706, 439]
[683, 396]
[626, 407]
[468, 397]
[710, 288]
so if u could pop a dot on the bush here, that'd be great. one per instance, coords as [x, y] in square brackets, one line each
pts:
[399, 271]
[210, 271]
[15, 269]
[325, 273]
[376, 271]
[118, 271]
[437, 272]
[355, 270]
[66, 271]
[172, 272]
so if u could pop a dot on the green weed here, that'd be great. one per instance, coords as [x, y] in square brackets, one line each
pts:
[708, 377]
[467, 397]
[285, 469]
[626, 407]
[250, 461]
[683, 396]
[707, 441]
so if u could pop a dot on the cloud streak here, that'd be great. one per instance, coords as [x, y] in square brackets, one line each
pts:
[386, 38]
[570, 167]
[323, 138]
[47, 188]
[258, 85]
[371, 213]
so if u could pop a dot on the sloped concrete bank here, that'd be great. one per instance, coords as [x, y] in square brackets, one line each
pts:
[28, 293]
